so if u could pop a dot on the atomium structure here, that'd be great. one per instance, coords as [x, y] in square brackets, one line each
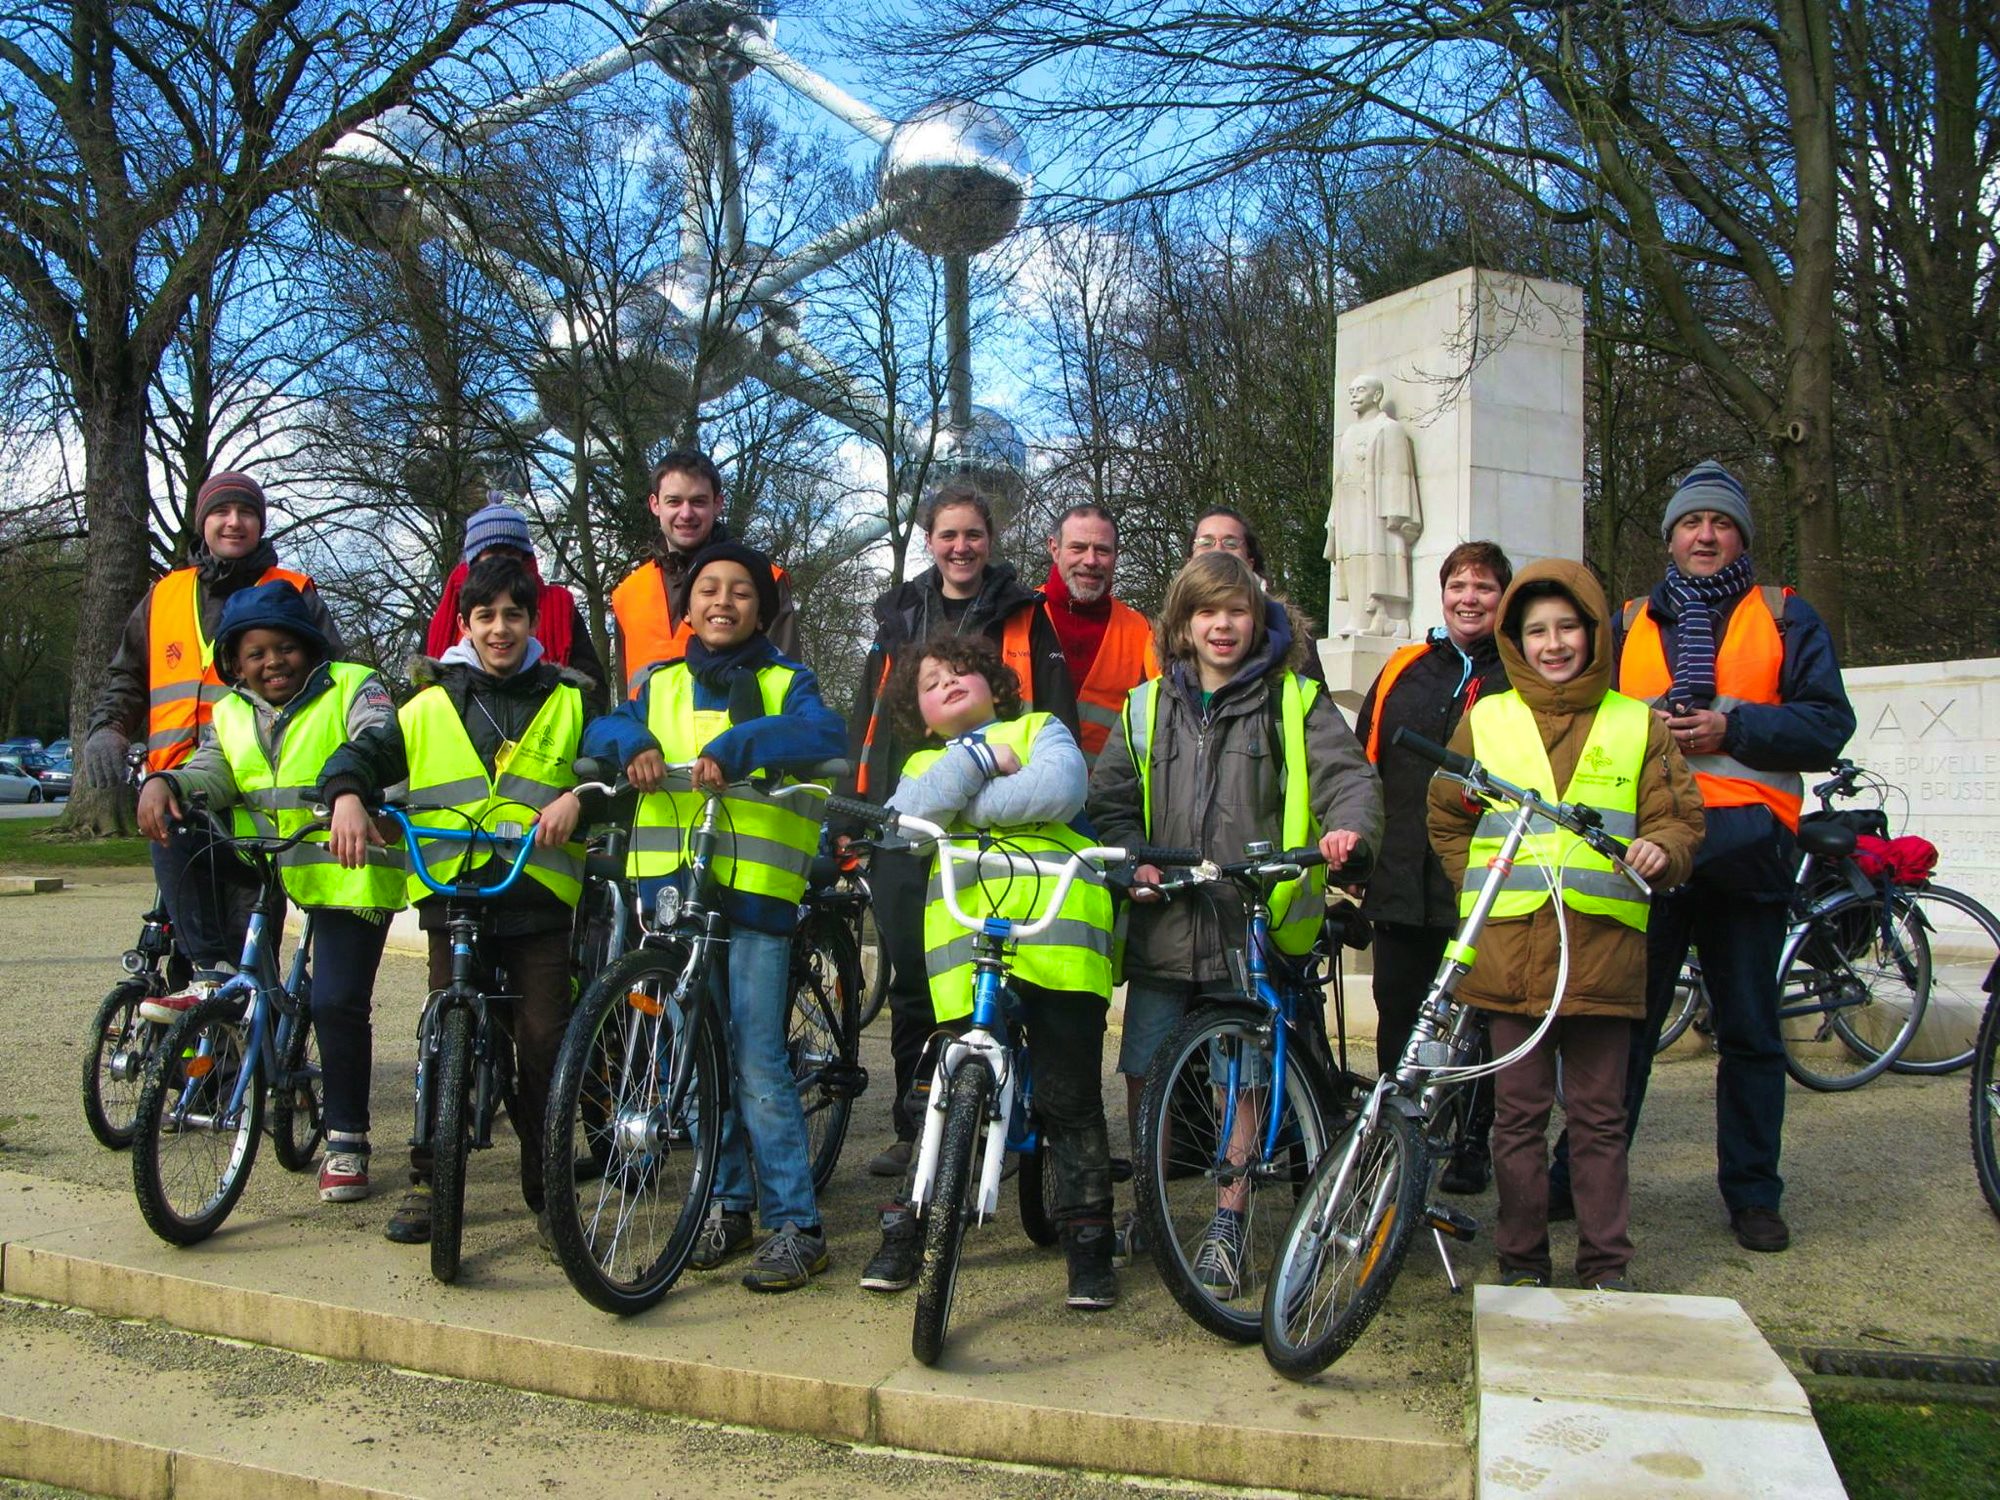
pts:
[952, 180]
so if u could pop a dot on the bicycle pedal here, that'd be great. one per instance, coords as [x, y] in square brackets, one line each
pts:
[1448, 1220]
[1121, 1169]
[844, 1080]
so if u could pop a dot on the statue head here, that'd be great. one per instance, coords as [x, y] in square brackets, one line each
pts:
[1365, 395]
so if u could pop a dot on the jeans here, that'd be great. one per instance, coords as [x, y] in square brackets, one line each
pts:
[347, 950]
[764, 1097]
[208, 895]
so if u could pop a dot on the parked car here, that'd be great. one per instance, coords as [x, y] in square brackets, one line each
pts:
[16, 785]
[19, 746]
[52, 772]
[58, 750]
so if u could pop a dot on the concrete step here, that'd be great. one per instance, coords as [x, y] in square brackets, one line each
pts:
[1110, 1393]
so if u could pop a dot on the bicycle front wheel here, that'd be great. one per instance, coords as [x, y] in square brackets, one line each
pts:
[624, 1236]
[1964, 941]
[1214, 1205]
[822, 1028]
[195, 1136]
[950, 1208]
[119, 1050]
[1853, 994]
[1986, 1105]
[298, 1118]
[451, 1141]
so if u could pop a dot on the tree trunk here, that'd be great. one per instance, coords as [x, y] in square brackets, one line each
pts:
[115, 577]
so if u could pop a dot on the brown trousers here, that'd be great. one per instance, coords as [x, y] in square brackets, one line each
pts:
[1594, 1052]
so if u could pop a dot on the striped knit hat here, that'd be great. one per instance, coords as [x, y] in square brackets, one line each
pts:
[1709, 486]
[226, 489]
[496, 525]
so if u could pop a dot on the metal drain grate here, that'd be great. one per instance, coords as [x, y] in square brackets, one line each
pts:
[1874, 1364]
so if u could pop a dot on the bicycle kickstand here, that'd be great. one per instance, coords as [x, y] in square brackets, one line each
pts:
[1445, 1221]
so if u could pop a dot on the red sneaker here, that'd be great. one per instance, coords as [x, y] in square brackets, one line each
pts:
[343, 1177]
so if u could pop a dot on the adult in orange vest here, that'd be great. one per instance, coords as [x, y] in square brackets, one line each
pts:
[1107, 646]
[1746, 679]
[162, 686]
[686, 499]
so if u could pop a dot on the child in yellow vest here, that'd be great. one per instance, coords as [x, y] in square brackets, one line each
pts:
[1565, 733]
[289, 709]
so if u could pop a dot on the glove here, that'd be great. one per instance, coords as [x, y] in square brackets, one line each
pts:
[104, 758]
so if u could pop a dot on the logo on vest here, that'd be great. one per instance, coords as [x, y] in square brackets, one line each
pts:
[173, 653]
[1598, 768]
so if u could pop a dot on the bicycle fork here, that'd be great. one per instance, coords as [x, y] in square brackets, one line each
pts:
[976, 1049]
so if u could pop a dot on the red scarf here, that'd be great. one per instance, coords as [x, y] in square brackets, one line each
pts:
[555, 625]
[1080, 627]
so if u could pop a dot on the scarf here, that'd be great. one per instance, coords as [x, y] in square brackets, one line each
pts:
[1079, 627]
[222, 576]
[555, 622]
[733, 673]
[1695, 605]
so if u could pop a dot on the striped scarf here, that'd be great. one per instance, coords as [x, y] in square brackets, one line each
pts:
[1696, 606]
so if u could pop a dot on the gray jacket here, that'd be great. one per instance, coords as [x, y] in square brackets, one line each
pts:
[1047, 789]
[207, 773]
[1216, 787]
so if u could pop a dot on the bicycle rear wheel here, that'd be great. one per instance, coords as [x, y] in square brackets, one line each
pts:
[192, 1147]
[1202, 1123]
[1964, 941]
[1690, 998]
[951, 1206]
[624, 1237]
[1344, 1245]
[878, 983]
[116, 1056]
[451, 1141]
[822, 1028]
[1853, 994]
[1036, 1182]
[1986, 1105]
[298, 1118]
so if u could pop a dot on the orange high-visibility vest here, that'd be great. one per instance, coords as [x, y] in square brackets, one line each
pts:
[646, 624]
[182, 684]
[1393, 668]
[1126, 658]
[1747, 668]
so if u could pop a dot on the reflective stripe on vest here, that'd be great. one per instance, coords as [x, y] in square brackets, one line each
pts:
[182, 684]
[1073, 954]
[646, 624]
[446, 773]
[276, 803]
[1298, 907]
[766, 843]
[1748, 666]
[1506, 740]
[1394, 667]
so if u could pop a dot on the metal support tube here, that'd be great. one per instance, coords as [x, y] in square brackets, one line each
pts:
[802, 81]
[558, 90]
[958, 339]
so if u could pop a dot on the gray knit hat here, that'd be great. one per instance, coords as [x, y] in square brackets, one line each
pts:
[1709, 486]
[496, 525]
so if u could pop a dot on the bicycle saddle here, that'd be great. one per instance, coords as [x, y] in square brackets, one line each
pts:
[1826, 840]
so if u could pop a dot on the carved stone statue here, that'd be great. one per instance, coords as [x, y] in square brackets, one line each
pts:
[1375, 520]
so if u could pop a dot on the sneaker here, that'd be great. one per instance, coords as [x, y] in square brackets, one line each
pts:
[343, 1177]
[1218, 1265]
[169, 1008]
[894, 1266]
[410, 1224]
[1465, 1175]
[1093, 1285]
[1612, 1284]
[1760, 1229]
[1522, 1278]
[1128, 1239]
[893, 1160]
[725, 1232]
[787, 1260]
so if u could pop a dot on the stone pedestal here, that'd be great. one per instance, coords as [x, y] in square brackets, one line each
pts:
[1485, 372]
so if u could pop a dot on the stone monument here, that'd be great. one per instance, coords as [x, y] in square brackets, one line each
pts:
[1480, 374]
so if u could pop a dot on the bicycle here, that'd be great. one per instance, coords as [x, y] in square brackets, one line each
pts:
[975, 1111]
[1369, 1194]
[641, 1083]
[1985, 1096]
[201, 1108]
[1210, 1141]
[823, 1009]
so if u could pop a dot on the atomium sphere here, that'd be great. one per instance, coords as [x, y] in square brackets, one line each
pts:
[989, 456]
[962, 170]
[711, 323]
[576, 373]
[688, 38]
[370, 179]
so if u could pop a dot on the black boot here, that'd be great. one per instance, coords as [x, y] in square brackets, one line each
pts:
[1468, 1171]
[1093, 1285]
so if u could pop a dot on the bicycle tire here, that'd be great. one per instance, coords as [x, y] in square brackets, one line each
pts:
[1690, 995]
[451, 1141]
[822, 1034]
[1036, 1182]
[1334, 1267]
[878, 988]
[1985, 1098]
[190, 1163]
[298, 1094]
[1965, 961]
[1847, 979]
[1184, 1164]
[624, 1236]
[115, 1059]
[950, 1207]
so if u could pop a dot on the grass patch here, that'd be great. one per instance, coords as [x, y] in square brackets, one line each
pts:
[1891, 1450]
[23, 849]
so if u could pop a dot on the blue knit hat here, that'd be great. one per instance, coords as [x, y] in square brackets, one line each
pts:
[497, 525]
[276, 605]
[1709, 486]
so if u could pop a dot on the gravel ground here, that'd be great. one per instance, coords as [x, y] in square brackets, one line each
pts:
[1893, 1248]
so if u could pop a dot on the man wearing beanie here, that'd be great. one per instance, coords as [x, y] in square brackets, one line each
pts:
[687, 501]
[1745, 678]
[162, 687]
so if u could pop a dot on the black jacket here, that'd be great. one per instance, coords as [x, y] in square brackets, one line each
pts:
[908, 615]
[1409, 886]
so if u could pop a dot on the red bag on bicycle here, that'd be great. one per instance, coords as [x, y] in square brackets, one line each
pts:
[1907, 860]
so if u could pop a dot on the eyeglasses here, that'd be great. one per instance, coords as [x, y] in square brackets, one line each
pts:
[1226, 543]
